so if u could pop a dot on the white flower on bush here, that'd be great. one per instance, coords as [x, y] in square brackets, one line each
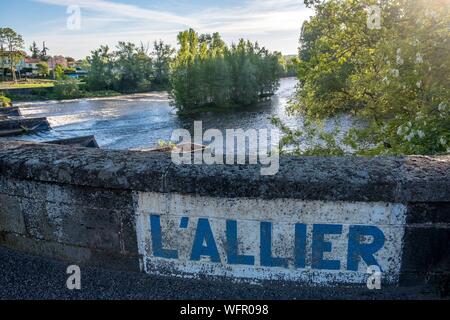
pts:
[419, 58]
[443, 141]
[420, 134]
[395, 73]
[442, 106]
[410, 136]
[419, 84]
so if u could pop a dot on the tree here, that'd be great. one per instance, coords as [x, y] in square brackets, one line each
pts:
[289, 65]
[245, 89]
[185, 71]
[84, 64]
[133, 66]
[205, 72]
[34, 50]
[11, 45]
[58, 72]
[100, 76]
[161, 58]
[44, 52]
[127, 69]
[67, 89]
[42, 68]
[393, 80]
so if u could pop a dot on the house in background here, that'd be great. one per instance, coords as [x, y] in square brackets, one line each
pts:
[71, 63]
[5, 63]
[54, 61]
[28, 67]
[77, 74]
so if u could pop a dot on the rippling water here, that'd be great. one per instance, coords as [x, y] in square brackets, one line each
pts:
[137, 121]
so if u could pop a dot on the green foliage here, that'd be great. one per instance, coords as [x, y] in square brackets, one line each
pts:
[129, 68]
[166, 144]
[68, 89]
[133, 69]
[42, 68]
[59, 72]
[4, 101]
[100, 76]
[395, 79]
[43, 53]
[11, 45]
[35, 52]
[289, 65]
[85, 65]
[70, 70]
[206, 72]
[161, 58]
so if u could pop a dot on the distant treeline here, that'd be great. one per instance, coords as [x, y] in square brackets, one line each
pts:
[129, 68]
[206, 72]
[203, 72]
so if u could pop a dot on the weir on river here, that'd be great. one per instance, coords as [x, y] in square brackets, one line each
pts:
[140, 121]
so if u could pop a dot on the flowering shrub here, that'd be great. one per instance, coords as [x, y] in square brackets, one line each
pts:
[4, 101]
[394, 79]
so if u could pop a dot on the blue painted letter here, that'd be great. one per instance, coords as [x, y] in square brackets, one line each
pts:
[266, 248]
[366, 251]
[300, 245]
[232, 246]
[204, 235]
[157, 247]
[319, 246]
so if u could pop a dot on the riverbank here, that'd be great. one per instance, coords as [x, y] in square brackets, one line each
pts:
[60, 91]
[49, 96]
[190, 112]
[94, 97]
[27, 84]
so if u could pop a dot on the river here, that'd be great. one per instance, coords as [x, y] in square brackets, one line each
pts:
[139, 121]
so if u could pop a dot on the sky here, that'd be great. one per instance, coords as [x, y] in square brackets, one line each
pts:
[275, 24]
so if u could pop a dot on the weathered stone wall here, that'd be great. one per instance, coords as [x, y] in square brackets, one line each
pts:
[92, 206]
[80, 224]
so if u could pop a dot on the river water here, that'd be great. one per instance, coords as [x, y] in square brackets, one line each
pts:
[139, 121]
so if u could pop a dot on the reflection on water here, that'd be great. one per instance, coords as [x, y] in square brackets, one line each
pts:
[137, 121]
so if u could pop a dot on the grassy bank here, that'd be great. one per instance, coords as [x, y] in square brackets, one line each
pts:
[27, 84]
[55, 90]
[53, 96]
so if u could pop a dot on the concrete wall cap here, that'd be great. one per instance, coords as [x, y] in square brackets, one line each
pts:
[390, 179]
